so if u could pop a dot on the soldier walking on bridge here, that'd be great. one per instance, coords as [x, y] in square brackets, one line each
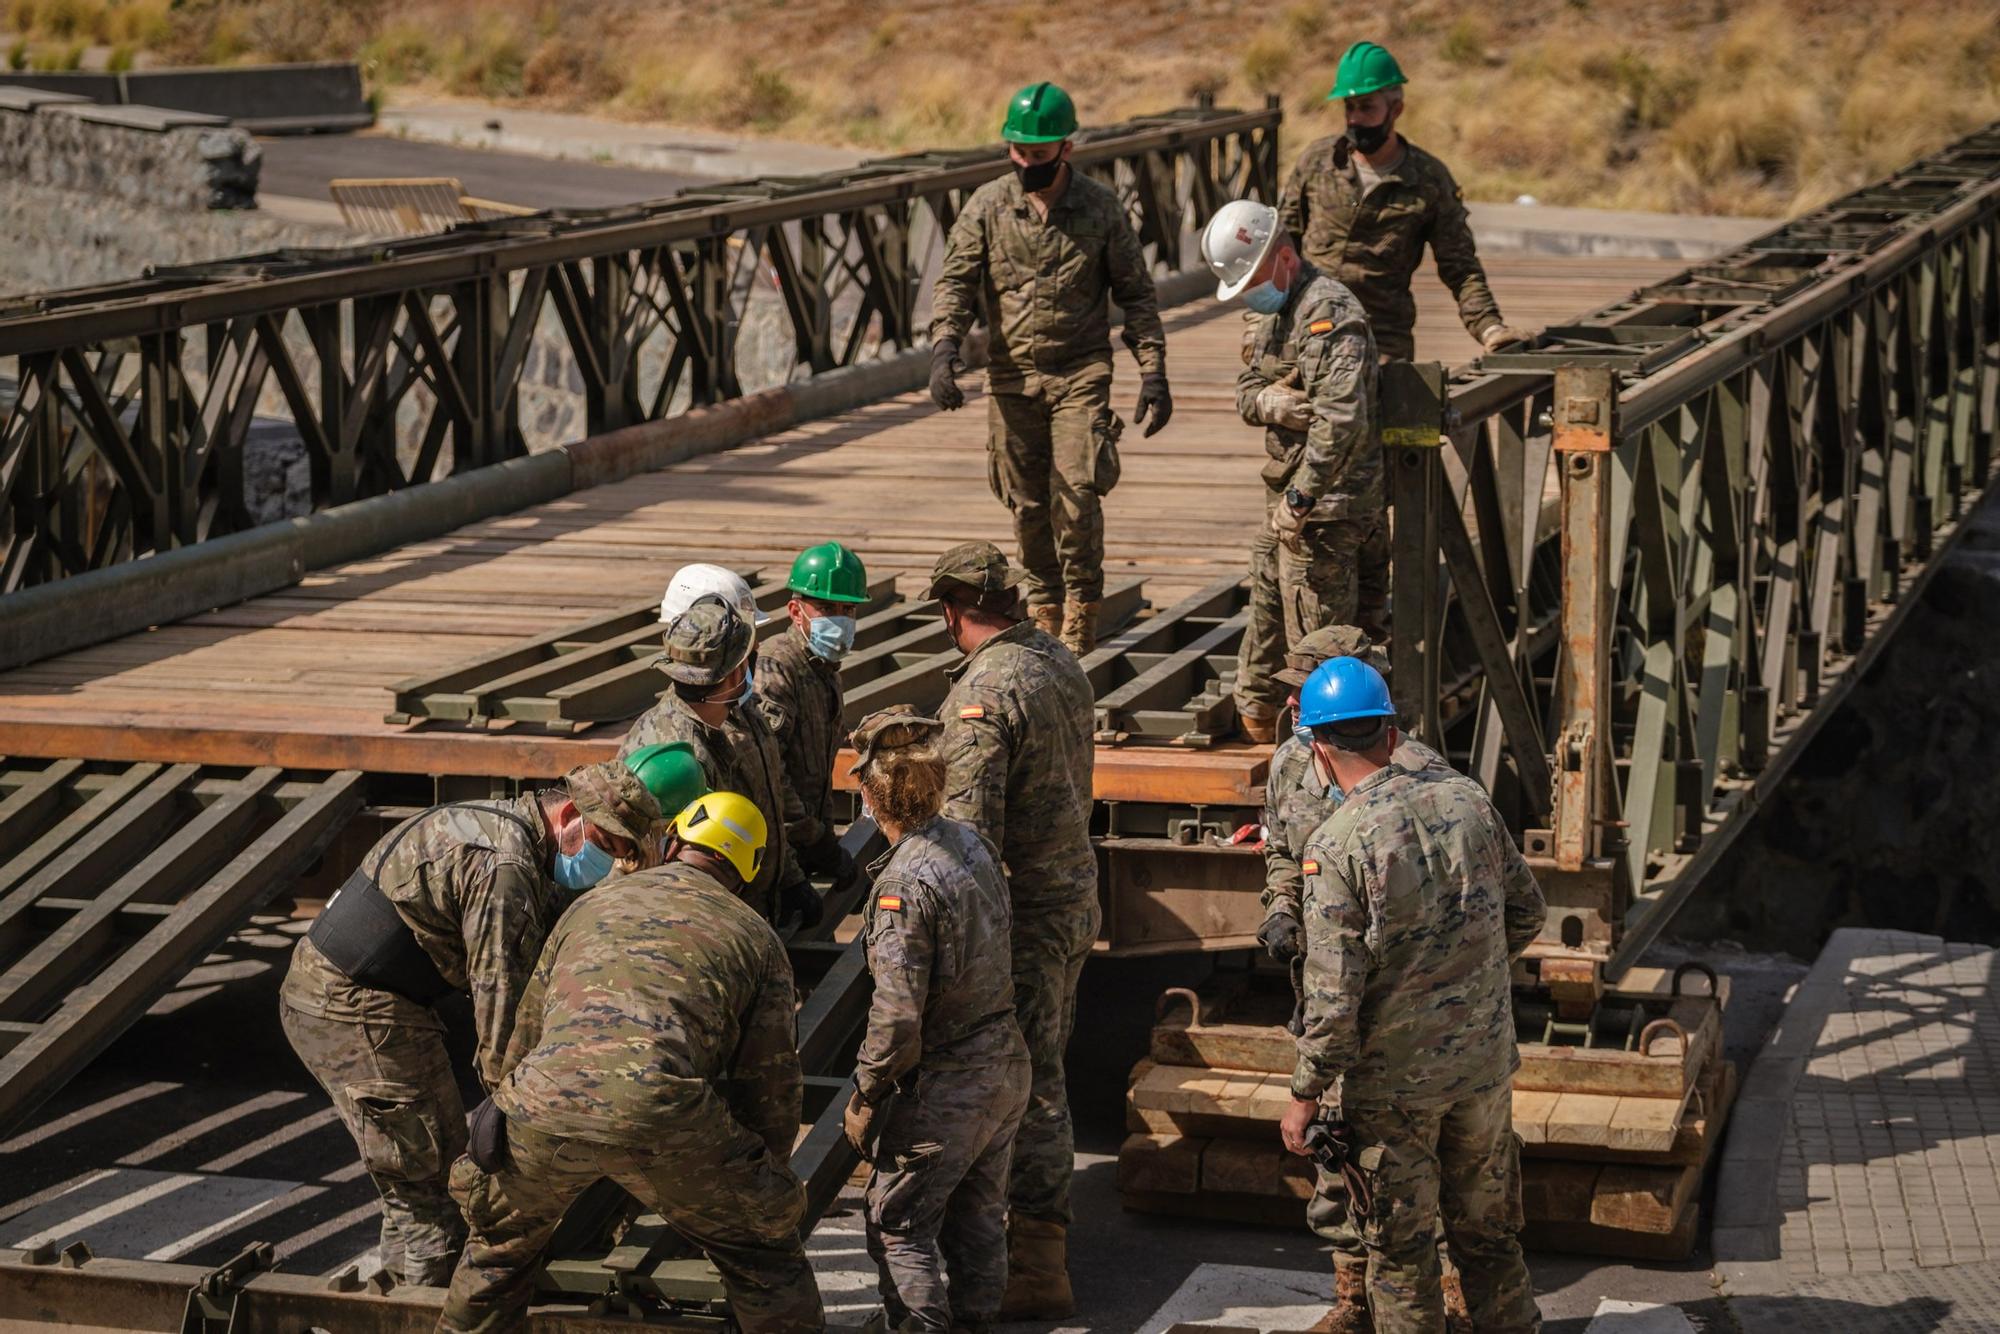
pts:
[942, 1077]
[708, 706]
[656, 1046]
[455, 899]
[798, 692]
[1018, 754]
[1416, 903]
[1362, 205]
[1041, 253]
[1310, 384]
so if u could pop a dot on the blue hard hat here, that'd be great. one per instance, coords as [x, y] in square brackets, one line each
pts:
[1342, 690]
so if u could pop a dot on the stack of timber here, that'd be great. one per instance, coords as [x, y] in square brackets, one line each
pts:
[1615, 1135]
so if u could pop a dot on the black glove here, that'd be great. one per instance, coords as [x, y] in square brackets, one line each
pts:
[829, 859]
[1154, 402]
[945, 366]
[803, 900]
[486, 1133]
[1282, 937]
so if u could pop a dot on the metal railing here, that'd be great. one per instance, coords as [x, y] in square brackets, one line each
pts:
[124, 409]
[1667, 537]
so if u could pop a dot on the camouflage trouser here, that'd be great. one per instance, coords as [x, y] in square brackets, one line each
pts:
[393, 1087]
[722, 1191]
[1050, 945]
[1371, 601]
[937, 1200]
[1049, 462]
[1294, 590]
[1461, 1164]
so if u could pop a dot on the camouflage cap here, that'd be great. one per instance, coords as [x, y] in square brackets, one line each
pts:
[980, 566]
[1327, 642]
[612, 797]
[705, 642]
[892, 730]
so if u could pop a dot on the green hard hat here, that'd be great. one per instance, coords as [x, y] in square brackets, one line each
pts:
[1041, 113]
[829, 572]
[1365, 69]
[670, 772]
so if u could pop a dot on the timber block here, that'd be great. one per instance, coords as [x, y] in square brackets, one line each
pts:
[1255, 1167]
[1187, 1100]
[1169, 1164]
[1242, 1028]
[1668, 1068]
[1699, 1131]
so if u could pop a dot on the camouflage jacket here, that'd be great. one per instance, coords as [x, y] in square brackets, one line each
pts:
[1044, 287]
[739, 756]
[660, 1004]
[1295, 805]
[940, 931]
[1375, 244]
[1416, 902]
[473, 889]
[799, 695]
[1320, 342]
[1018, 744]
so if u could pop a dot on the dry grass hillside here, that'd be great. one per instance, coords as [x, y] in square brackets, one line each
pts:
[1704, 106]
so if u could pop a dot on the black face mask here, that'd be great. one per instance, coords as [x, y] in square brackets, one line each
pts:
[1039, 175]
[1369, 138]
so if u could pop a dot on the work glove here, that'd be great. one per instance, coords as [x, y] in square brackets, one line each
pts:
[945, 368]
[1283, 405]
[828, 858]
[858, 1123]
[486, 1137]
[1154, 402]
[1282, 937]
[1287, 522]
[1501, 335]
[803, 900]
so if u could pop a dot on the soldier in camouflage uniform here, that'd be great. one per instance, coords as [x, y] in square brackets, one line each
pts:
[1297, 801]
[1363, 204]
[1018, 751]
[656, 1047]
[1416, 903]
[709, 705]
[942, 1077]
[455, 899]
[1310, 384]
[798, 692]
[1041, 253]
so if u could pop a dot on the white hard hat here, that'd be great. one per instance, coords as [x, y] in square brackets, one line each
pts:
[691, 581]
[1235, 243]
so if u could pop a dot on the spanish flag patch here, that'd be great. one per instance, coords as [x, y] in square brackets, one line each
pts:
[1309, 866]
[1320, 327]
[973, 711]
[890, 902]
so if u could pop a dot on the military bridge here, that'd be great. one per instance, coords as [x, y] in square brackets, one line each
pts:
[1637, 563]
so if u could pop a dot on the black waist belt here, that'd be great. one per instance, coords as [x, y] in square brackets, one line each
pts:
[363, 935]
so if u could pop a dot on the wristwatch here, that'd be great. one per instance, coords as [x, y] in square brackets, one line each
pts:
[1298, 500]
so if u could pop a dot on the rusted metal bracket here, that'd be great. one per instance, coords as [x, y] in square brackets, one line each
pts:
[1586, 399]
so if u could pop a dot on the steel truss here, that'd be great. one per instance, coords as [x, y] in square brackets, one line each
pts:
[131, 403]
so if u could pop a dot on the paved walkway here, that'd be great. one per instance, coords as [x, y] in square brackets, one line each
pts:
[1860, 1185]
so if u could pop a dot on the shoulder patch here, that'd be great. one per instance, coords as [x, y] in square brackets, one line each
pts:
[973, 711]
[1309, 866]
[889, 902]
[1320, 327]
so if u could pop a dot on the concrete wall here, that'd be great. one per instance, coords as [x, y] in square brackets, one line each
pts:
[186, 167]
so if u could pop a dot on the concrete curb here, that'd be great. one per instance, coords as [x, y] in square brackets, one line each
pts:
[90, 608]
[1748, 1213]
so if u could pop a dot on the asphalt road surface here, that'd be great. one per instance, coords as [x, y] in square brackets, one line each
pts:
[302, 165]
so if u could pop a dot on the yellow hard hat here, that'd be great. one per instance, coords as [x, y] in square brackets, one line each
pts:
[727, 824]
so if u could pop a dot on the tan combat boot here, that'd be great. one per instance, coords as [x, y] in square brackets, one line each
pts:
[1079, 626]
[1350, 1299]
[1263, 731]
[1037, 1271]
[1457, 1319]
[1047, 616]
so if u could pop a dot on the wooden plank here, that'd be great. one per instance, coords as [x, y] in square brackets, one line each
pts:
[1580, 1118]
[1531, 1114]
[1643, 1199]
[1693, 1142]
[1255, 1167]
[1168, 1164]
[1558, 1191]
[1646, 1125]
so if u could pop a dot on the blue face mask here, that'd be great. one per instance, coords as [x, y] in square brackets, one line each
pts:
[830, 637]
[583, 868]
[1266, 298]
[743, 695]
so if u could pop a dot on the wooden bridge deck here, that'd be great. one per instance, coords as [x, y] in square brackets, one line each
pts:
[302, 677]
